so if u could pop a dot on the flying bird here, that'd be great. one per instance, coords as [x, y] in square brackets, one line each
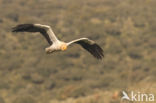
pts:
[56, 44]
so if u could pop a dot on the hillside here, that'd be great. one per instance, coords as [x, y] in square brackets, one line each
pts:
[125, 29]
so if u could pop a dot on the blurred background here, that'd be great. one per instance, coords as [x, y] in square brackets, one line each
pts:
[125, 29]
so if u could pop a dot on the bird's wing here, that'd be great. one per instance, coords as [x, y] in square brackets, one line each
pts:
[45, 30]
[90, 46]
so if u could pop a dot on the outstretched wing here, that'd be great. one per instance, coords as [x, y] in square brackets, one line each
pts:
[45, 30]
[90, 46]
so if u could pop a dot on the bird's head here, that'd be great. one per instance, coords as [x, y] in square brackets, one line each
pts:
[63, 47]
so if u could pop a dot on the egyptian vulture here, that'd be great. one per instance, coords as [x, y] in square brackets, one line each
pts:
[57, 45]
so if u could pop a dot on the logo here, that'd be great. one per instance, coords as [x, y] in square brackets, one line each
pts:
[137, 96]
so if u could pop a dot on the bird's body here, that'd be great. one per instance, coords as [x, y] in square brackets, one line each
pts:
[57, 45]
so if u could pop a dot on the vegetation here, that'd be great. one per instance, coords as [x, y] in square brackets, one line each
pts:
[124, 28]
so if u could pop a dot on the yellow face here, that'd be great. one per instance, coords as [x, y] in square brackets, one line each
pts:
[63, 47]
